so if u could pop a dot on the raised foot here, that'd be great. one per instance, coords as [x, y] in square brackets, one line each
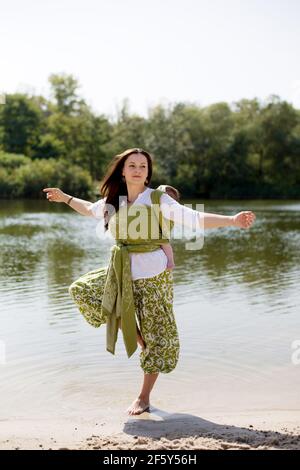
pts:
[140, 341]
[138, 407]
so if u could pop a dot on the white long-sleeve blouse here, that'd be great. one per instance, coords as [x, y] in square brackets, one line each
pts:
[145, 265]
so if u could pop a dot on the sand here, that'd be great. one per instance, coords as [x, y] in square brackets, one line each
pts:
[159, 429]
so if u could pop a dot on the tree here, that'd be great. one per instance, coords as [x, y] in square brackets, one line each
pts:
[20, 120]
[64, 91]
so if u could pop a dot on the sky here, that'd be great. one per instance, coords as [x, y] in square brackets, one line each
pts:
[153, 51]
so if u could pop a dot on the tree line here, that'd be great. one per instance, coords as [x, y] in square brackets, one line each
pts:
[246, 149]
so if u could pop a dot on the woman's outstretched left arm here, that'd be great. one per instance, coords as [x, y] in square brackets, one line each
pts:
[183, 215]
[242, 220]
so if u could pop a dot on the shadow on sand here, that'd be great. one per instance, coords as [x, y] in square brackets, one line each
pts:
[159, 424]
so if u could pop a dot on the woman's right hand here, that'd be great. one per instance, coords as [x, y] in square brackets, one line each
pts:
[244, 219]
[55, 195]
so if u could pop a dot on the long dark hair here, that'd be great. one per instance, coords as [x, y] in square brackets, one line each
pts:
[113, 186]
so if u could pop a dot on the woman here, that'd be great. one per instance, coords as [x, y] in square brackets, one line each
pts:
[129, 177]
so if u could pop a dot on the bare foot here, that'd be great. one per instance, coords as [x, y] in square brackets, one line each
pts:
[141, 341]
[138, 407]
[170, 266]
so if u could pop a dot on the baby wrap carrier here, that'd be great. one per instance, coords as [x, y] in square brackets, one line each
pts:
[110, 297]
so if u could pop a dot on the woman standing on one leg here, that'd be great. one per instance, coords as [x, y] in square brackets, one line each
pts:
[152, 283]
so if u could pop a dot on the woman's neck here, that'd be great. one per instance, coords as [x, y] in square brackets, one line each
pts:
[134, 191]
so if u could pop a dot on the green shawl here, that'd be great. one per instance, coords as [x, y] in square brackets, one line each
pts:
[118, 302]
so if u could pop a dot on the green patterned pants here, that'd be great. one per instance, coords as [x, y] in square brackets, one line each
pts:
[153, 299]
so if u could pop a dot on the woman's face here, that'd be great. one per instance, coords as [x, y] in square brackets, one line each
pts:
[135, 169]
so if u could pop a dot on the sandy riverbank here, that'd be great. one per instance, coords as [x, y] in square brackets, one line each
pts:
[157, 430]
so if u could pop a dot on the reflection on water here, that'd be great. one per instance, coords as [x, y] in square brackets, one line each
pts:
[236, 303]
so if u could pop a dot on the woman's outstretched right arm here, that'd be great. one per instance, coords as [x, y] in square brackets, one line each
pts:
[79, 205]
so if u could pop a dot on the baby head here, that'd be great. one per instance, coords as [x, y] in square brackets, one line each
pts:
[170, 190]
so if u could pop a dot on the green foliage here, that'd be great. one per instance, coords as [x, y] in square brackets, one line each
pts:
[6, 189]
[20, 121]
[28, 179]
[11, 160]
[244, 150]
[64, 90]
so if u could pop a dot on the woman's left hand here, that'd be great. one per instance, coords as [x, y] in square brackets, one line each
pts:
[243, 219]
